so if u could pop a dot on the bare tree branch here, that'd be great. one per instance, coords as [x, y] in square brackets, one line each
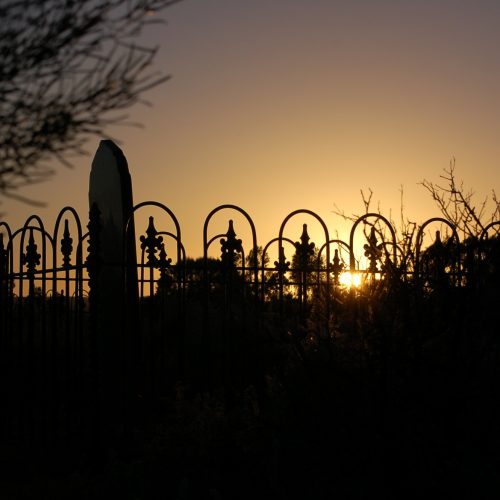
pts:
[458, 206]
[66, 66]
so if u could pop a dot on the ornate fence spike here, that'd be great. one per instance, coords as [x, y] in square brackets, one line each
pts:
[151, 243]
[304, 249]
[336, 267]
[31, 258]
[438, 255]
[230, 246]
[372, 251]
[438, 242]
[437, 250]
[163, 262]
[66, 245]
[282, 265]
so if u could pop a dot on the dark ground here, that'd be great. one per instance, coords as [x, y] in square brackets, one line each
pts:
[316, 431]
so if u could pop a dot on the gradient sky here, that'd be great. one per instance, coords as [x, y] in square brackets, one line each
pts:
[276, 105]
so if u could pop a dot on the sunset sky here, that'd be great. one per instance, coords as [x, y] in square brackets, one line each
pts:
[276, 105]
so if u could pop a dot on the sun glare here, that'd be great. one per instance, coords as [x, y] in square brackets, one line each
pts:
[350, 279]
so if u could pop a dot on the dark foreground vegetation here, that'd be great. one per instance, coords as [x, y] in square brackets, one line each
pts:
[402, 398]
[298, 389]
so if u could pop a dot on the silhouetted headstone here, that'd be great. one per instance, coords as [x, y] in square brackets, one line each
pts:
[110, 191]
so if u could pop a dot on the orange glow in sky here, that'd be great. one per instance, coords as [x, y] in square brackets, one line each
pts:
[276, 106]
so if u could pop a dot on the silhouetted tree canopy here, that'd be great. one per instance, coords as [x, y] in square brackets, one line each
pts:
[65, 66]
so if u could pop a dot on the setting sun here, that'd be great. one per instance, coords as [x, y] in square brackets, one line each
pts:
[350, 279]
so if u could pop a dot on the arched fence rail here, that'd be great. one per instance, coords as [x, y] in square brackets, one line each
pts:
[183, 318]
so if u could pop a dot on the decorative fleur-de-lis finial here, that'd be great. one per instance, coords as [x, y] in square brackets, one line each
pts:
[438, 251]
[230, 246]
[151, 243]
[163, 262]
[336, 267]
[304, 249]
[372, 251]
[66, 245]
[438, 242]
[282, 265]
[31, 258]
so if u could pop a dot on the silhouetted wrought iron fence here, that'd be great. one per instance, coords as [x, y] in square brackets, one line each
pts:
[66, 366]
